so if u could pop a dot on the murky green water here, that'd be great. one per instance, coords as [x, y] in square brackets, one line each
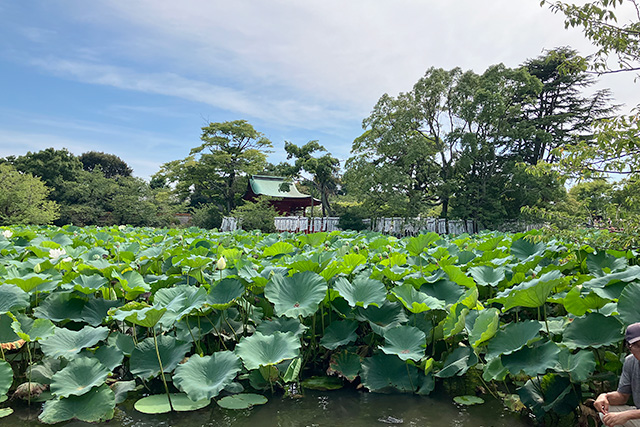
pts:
[335, 408]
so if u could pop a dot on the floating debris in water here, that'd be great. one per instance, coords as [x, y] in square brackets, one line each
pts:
[390, 420]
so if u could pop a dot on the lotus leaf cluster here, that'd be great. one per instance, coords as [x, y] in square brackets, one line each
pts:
[195, 316]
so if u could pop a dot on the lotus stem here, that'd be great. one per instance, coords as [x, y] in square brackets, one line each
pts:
[196, 342]
[544, 308]
[30, 367]
[213, 325]
[406, 363]
[164, 380]
[2, 351]
[233, 331]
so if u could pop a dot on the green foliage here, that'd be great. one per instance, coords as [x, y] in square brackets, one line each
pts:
[23, 199]
[110, 164]
[258, 215]
[206, 216]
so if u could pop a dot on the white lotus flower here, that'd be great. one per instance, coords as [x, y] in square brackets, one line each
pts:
[67, 259]
[221, 264]
[7, 234]
[122, 227]
[56, 253]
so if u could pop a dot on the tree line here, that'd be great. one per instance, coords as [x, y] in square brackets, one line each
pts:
[496, 146]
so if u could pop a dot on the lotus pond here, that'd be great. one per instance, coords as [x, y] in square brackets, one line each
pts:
[181, 320]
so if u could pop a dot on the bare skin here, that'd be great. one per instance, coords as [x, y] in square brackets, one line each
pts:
[616, 398]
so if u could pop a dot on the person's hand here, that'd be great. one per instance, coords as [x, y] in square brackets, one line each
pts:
[602, 404]
[616, 418]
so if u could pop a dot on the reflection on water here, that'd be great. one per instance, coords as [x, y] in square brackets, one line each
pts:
[335, 408]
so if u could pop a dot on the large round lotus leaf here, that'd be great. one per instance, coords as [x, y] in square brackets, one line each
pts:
[456, 275]
[532, 293]
[416, 245]
[7, 334]
[278, 248]
[144, 360]
[132, 283]
[78, 377]
[444, 290]
[601, 263]
[350, 262]
[95, 310]
[345, 364]
[110, 356]
[93, 406]
[579, 366]
[224, 293]
[513, 337]
[486, 275]
[362, 292]
[416, 301]
[523, 249]
[241, 401]
[627, 275]
[468, 400]
[578, 302]
[88, 284]
[629, 303]
[339, 333]
[389, 315]
[454, 323]
[262, 350]
[387, 374]
[532, 360]
[6, 377]
[281, 324]
[159, 404]
[121, 388]
[594, 330]
[139, 314]
[60, 306]
[298, 295]
[458, 362]
[123, 342]
[322, 383]
[12, 298]
[549, 393]
[179, 301]
[485, 327]
[205, 377]
[32, 330]
[494, 371]
[406, 342]
[66, 343]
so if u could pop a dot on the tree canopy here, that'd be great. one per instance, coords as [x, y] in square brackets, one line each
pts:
[23, 199]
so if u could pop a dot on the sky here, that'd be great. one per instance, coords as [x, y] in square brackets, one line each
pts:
[139, 79]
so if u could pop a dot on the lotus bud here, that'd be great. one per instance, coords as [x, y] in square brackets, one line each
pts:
[37, 269]
[221, 264]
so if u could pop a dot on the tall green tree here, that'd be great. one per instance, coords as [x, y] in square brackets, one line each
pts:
[217, 170]
[23, 199]
[110, 164]
[323, 170]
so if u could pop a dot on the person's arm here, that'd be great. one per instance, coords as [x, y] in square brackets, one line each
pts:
[619, 418]
[603, 401]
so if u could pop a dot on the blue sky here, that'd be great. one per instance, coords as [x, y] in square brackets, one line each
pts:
[140, 78]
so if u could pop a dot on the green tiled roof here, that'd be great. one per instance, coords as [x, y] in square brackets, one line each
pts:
[270, 186]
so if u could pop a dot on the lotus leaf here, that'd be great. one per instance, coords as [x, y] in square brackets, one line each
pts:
[524, 249]
[494, 371]
[339, 333]
[12, 298]
[389, 315]
[5, 412]
[241, 401]
[205, 377]
[386, 374]
[322, 383]
[94, 406]
[110, 356]
[532, 360]
[96, 310]
[123, 342]
[458, 362]
[66, 343]
[406, 342]
[88, 284]
[629, 303]
[468, 400]
[345, 364]
[427, 385]
[223, 293]
[78, 377]
[139, 314]
[578, 303]
[6, 377]
[416, 301]
[278, 248]
[484, 327]
[144, 359]
[159, 404]
[454, 323]
[533, 293]
[593, 330]
[627, 275]
[298, 295]
[416, 245]
[362, 292]
[293, 370]
[29, 282]
[579, 366]
[456, 275]
[32, 330]
[513, 337]
[282, 324]
[132, 283]
[262, 350]
[601, 263]
[351, 262]
[43, 372]
[486, 275]
[552, 392]
[444, 290]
